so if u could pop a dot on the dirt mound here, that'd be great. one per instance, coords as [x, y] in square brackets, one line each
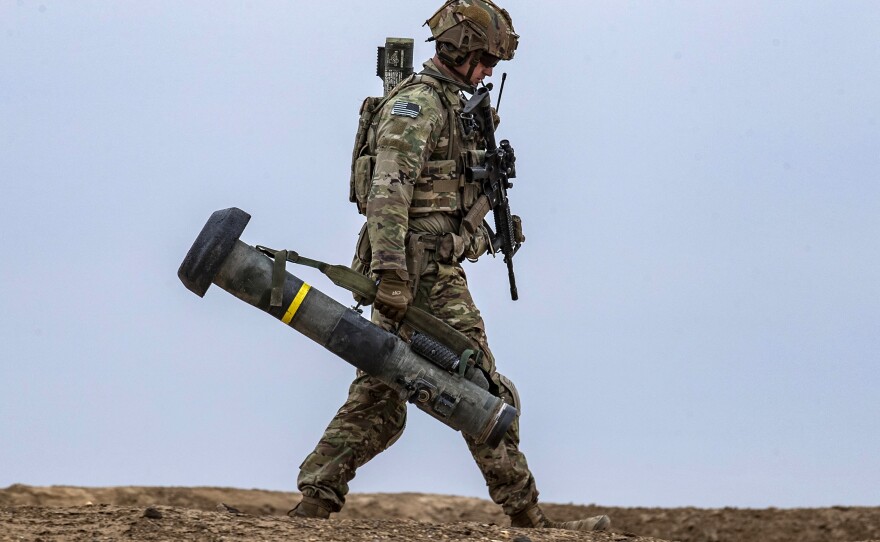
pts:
[164, 513]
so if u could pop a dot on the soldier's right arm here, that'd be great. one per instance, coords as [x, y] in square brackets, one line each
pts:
[409, 128]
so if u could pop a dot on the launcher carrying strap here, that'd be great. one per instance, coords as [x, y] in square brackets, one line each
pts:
[363, 286]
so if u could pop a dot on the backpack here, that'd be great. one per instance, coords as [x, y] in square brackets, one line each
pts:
[363, 155]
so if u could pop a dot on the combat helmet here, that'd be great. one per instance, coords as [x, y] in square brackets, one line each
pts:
[463, 26]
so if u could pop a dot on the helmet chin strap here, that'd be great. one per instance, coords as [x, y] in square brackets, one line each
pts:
[453, 68]
[475, 59]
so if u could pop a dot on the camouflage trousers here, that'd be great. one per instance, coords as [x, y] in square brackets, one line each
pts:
[373, 417]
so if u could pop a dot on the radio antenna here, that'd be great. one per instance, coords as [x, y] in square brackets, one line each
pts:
[500, 91]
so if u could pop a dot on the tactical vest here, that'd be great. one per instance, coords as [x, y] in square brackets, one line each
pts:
[441, 185]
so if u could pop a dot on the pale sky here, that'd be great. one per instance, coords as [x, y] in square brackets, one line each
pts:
[699, 313]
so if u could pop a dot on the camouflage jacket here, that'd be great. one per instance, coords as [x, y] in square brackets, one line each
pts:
[422, 147]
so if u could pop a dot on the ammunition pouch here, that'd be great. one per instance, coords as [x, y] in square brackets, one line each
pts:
[363, 252]
[363, 158]
[450, 249]
[446, 249]
[362, 177]
[363, 257]
[424, 248]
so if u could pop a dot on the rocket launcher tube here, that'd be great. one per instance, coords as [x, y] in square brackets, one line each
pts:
[366, 288]
[219, 257]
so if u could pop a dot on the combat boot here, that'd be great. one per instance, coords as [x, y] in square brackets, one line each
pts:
[533, 517]
[310, 507]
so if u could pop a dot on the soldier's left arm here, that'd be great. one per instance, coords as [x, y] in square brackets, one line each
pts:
[410, 127]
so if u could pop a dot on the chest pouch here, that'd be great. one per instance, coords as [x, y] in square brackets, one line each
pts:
[436, 188]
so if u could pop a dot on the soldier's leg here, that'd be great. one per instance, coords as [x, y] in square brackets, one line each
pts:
[510, 482]
[507, 475]
[371, 420]
[504, 467]
[511, 485]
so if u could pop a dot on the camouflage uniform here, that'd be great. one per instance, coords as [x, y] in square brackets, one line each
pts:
[416, 201]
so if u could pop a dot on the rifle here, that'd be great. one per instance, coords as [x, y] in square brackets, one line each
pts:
[494, 176]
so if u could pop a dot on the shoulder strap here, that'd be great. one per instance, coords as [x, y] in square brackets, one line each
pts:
[434, 80]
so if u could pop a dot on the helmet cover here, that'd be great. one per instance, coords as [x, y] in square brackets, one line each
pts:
[463, 26]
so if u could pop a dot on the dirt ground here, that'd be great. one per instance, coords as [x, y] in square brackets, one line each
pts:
[62, 513]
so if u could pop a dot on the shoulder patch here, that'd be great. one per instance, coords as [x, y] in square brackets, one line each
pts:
[406, 109]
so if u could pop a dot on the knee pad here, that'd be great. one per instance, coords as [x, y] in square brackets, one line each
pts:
[507, 391]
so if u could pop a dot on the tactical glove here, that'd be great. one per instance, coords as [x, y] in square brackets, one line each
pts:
[393, 296]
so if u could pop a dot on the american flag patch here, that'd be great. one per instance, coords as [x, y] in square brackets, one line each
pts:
[405, 109]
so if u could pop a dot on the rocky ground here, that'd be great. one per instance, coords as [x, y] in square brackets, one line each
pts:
[60, 513]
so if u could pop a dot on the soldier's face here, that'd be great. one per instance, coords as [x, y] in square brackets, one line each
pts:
[483, 69]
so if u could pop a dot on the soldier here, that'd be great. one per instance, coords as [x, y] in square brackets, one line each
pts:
[410, 185]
